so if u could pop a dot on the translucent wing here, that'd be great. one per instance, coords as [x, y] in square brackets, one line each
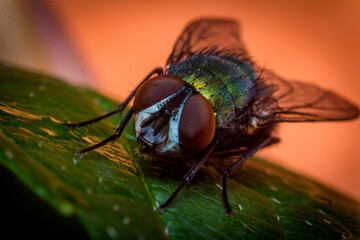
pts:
[277, 100]
[208, 35]
[292, 101]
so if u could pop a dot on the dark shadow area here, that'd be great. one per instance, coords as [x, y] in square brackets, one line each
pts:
[25, 215]
[176, 168]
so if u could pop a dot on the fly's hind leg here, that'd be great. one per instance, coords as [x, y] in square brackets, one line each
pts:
[120, 108]
[251, 150]
[237, 152]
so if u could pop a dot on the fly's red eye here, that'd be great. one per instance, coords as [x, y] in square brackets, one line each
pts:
[197, 125]
[155, 90]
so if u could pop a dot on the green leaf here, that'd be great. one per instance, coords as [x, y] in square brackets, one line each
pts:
[113, 191]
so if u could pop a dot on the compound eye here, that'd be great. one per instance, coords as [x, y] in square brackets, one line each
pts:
[197, 125]
[155, 90]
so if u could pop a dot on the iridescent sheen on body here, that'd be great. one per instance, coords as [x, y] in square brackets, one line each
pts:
[227, 82]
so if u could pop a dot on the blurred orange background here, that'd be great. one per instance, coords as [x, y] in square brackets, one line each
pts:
[111, 45]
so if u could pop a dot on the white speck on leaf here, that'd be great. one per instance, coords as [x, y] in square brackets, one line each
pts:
[240, 207]
[111, 231]
[327, 221]
[275, 200]
[166, 231]
[273, 188]
[88, 191]
[278, 218]
[116, 208]
[40, 144]
[75, 161]
[126, 221]
[343, 236]
[9, 154]
[31, 94]
[322, 212]
[219, 186]
[308, 223]
[100, 179]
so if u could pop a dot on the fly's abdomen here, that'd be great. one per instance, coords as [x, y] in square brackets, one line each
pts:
[227, 83]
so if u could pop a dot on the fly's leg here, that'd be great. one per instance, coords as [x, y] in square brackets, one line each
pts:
[120, 108]
[117, 134]
[237, 152]
[190, 174]
[253, 148]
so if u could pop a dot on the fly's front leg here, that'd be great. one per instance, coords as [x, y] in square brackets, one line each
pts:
[113, 137]
[120, 108]
[252, 149]
[190, 174]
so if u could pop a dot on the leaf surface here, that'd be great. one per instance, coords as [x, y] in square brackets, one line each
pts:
[113, 191]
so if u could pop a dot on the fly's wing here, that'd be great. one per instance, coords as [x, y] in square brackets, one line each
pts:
[208, 35]
[279, 100]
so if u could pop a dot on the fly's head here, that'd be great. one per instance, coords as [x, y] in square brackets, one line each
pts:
[171, 118]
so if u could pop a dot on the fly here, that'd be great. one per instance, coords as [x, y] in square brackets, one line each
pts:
[211, 98]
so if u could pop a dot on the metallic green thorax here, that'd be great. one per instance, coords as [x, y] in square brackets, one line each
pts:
[227, 82]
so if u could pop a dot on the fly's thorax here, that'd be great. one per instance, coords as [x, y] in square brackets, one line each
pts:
[227, 82]
[174, 122]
